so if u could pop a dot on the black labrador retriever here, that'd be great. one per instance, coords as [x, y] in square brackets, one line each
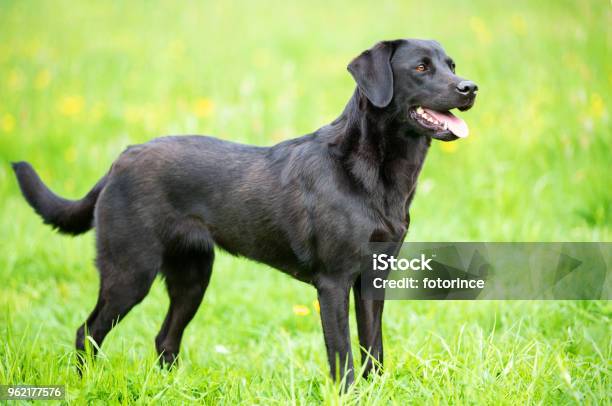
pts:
[305, 206]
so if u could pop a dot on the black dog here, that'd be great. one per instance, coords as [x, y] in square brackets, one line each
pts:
[305, 206]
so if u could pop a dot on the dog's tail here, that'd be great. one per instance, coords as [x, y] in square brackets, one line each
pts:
[68, 216]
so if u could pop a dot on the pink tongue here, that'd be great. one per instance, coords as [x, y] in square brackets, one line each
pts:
[455, 125]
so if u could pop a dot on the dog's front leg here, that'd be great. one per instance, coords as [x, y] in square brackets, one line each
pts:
[333, 295]
[369, 325]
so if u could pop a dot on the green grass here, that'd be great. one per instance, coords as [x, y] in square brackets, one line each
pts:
[79, 81]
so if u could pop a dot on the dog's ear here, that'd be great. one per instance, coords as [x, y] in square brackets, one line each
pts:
[373, 74]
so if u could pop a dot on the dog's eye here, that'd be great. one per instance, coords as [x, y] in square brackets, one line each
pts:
[421, 68]
[452, 67]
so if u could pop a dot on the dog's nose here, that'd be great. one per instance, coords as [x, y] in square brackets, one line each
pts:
[467, 87]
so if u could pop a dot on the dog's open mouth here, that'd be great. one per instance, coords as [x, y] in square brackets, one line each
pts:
[445, 125]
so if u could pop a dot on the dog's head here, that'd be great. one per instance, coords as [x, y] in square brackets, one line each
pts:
[414, 81]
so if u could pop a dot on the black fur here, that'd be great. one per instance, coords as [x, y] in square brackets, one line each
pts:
[305, 206]
[67, 216]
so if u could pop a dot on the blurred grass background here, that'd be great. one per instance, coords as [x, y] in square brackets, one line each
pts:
[81, 81]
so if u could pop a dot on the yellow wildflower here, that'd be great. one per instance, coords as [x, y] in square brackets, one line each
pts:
[70, 105]
[518, 24]
[597, 107]
[203, 107]
[8, 123]
[449, 147]
[301, 310]
[317, 306]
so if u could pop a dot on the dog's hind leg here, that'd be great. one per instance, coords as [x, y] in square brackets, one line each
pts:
[127, 270]
[187, 276]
